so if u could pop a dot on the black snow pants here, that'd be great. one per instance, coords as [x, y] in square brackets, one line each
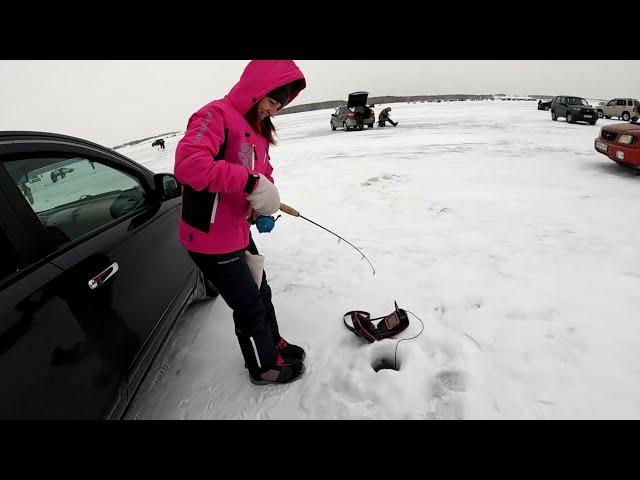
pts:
[253, 313]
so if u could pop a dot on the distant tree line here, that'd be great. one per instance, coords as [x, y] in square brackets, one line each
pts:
[385, 99]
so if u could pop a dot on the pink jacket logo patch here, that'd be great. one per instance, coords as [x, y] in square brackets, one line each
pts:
[246, 154]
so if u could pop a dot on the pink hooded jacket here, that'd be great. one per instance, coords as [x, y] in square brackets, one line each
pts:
[218, 153]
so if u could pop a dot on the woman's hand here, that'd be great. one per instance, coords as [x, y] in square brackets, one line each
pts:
[265, 199]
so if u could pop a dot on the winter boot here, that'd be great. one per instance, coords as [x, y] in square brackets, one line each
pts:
[290, 351]
[283, 371]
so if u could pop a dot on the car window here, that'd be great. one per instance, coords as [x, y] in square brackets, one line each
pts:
[8, 259]
[611, 102]
[620, 102]
[576, 101]
[629, 103]
[73, 196]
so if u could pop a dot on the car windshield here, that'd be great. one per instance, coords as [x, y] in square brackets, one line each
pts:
[577, 101]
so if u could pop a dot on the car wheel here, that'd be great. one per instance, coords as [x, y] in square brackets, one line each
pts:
[554, 117]
[600, 114]
[593, 122]
[607, 117]
[569, 118]
[546, 108]
[625, 116]
[333, 127]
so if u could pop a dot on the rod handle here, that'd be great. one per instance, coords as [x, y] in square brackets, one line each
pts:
[290, 210]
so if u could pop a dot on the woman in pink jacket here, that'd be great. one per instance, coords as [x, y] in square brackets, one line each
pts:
[224, 166]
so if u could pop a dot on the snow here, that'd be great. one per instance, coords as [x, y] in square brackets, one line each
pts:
[512, 239]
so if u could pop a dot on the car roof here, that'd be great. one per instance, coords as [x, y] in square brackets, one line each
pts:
[59, 137]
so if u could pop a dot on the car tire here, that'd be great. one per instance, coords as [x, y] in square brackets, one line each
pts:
[554, 117]
[593, 122]
[600, 114]
[607, 117]
[546, 108]
[626, 116]
[570, 118]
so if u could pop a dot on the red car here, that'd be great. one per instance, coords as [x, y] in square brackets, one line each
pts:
[621, 143]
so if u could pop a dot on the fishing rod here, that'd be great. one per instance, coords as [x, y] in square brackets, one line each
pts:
[266, 224]
[293, 212]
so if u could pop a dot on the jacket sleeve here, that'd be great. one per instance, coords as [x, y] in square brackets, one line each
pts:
[195, 153]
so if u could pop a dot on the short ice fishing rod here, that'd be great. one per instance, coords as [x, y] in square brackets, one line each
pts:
[293, 212]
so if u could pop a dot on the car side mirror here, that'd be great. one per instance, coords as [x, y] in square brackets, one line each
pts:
[167, 186]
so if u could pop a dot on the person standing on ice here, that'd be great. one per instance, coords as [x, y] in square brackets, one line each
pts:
[223, 164]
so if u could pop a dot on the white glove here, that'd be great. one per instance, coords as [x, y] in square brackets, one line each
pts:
[264, 199]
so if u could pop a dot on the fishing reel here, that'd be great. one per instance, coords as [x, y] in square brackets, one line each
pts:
[264, 223]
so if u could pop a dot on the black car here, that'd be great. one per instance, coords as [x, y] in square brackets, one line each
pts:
[574, 109]
[92, 276]
[544, 105]
[355, 115]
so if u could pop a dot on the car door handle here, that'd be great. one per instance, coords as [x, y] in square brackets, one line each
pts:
[102, 277]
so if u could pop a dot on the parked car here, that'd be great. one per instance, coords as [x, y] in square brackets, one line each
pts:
[621, 143]
[623, 108]
[355, 115]
[574, 109]
[544, 105]
[92, 277]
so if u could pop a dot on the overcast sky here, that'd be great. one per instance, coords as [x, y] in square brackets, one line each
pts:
[113, 102]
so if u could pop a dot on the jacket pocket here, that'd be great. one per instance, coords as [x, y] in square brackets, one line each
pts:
[197, 208]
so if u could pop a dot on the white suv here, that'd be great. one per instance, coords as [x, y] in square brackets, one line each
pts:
[623, 108]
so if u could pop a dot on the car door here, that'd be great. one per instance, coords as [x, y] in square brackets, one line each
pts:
[610, 108]
[563, 107]
[334, 118]
[126, 259]
[50, 366]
